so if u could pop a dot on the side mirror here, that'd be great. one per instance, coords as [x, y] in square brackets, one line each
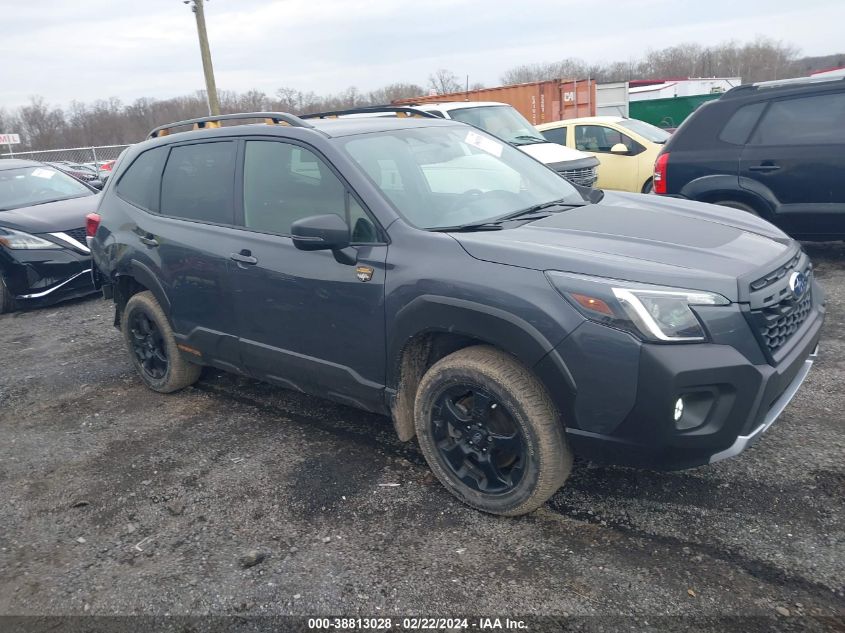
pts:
[619, 148]
[320, 233]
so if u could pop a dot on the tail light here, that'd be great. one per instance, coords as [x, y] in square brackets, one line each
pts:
[92, 223]
[660, 167]
[107, 166]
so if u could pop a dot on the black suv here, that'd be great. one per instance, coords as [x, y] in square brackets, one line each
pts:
[423, 269]
[775, 149]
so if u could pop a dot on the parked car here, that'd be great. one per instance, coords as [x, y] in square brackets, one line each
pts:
[79, 171]
[626, 148]
[501, 323]
[773, 149]
[500, 120]
[43, 254]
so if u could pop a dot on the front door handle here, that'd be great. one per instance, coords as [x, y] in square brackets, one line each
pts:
[244, 257]
[764, 167]
[149, 239]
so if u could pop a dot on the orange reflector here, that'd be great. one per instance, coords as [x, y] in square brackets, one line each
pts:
[591, 303]
[188, 349]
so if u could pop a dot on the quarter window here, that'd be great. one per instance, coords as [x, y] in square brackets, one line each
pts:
[741, 123]
[555, 135]
[198, 183]
[819, 119]
[140, 182]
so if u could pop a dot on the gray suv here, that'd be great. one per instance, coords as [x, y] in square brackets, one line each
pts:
[423, 269]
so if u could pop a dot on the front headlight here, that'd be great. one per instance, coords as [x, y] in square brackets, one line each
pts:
[18, 240]
[652, 313]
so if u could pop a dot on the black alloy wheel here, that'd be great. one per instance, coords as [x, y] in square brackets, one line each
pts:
[148, 345]
[478, 439]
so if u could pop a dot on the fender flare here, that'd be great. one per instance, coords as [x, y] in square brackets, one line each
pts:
[504, 330]
[731, 187]
[143, 275]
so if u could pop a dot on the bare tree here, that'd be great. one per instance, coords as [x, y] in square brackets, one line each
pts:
[444, 81]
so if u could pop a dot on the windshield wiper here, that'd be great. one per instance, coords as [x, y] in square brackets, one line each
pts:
[529, 215]
[526, 139]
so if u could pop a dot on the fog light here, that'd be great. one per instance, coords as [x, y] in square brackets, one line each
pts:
[679, 409]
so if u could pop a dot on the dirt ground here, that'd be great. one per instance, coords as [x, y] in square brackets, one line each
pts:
[118, 500]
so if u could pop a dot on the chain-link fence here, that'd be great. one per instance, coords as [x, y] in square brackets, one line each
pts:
[93, 157]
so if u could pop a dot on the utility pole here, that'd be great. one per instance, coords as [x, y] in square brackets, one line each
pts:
[205, 51]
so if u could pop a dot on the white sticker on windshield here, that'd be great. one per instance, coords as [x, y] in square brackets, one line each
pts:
[43, 173]
[483, 143]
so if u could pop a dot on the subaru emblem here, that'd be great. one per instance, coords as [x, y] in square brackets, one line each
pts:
[798, 283]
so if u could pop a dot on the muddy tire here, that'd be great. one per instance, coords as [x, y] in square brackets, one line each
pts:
[7, 300]
[152, 347]
[490, 432]
[733, 204]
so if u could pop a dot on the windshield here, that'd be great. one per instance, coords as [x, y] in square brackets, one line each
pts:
[440, 177]
[29, 186]
[502, 121]
[646, 130]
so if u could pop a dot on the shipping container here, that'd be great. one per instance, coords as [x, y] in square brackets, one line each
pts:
[667, 113]
[539, 101]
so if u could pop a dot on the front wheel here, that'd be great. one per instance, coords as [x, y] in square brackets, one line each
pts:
[152, 346]
[490, 432]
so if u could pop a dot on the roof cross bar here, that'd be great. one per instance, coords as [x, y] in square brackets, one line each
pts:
[206, 122]
[411, 111]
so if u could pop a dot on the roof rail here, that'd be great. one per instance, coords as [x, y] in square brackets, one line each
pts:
[208, 122]
[782, 83]
[372, 110]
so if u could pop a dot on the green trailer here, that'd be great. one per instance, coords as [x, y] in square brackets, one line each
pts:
[667, 113]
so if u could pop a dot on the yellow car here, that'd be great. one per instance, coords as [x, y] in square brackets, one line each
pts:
[626, 148]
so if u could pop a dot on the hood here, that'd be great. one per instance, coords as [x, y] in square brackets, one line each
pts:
[51, 217]
[549, 153]
[641, 238]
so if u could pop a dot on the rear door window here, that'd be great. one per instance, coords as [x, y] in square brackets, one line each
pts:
[198, 182]
[139, 184]
[817, 119]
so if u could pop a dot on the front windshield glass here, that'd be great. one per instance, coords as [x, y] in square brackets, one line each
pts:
[441, 177]
[502, 121]
[29, 186]
[646, 130]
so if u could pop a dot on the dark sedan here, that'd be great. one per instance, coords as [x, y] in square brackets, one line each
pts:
[43, 254]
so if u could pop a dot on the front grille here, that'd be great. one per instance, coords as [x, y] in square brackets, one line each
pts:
[777, 323]
[78, 235]
[779, 273]
[586, 177]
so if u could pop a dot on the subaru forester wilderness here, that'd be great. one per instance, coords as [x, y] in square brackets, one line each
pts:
[423, 269]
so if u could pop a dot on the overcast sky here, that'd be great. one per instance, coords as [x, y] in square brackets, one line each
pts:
[69, 49]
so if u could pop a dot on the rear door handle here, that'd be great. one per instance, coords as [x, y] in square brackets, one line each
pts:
[244, 257]
[149, 239]
[764, 167]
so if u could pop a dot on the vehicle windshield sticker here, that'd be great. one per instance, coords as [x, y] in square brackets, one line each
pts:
[483, 143]
[43, 173]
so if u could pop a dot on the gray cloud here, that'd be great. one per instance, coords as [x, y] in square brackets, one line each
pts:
[66, 50]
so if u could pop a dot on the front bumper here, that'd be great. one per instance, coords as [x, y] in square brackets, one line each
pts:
[623, 408]
[43, 277]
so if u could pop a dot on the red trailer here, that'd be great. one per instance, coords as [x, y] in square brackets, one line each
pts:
[539, 101]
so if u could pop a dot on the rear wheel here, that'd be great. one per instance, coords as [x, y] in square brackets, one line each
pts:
[648, 187]
[733, 204]
[7, 300]
[152, 346]
[490, 433]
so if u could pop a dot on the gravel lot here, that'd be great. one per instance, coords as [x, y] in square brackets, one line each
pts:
[122, 501]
